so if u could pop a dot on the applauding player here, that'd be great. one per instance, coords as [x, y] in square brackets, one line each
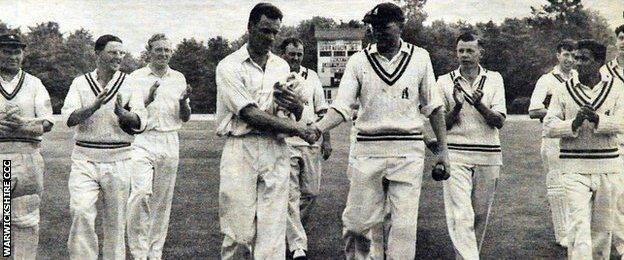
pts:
[103, 109]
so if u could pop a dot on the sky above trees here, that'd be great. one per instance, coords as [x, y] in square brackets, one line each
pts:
[136, 20]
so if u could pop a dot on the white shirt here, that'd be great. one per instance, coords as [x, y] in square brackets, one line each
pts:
[99, 137]
[314, 102]
[241, 83]
[614, 70]
[28, 93]
[164, 111]
[471, 139]
[393, 96]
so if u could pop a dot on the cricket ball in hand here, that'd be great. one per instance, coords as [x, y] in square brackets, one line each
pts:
[439, 172]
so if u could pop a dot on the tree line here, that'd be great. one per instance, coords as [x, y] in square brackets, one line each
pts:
[521, 49]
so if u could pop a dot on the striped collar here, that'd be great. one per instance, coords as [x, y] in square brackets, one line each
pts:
[579, 92]
[456, 77]
[615, 70]
[20, 82]
[372, 55]
[118, 79]
[558, 74]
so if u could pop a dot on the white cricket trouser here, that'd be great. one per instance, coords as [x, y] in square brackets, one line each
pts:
[365, 208]
[554, 189]
[592, 202]
[26, 184]
[304, 187]
[466, 196]
[618, 233]
[86, 180]
[253, 197]
[155, 160]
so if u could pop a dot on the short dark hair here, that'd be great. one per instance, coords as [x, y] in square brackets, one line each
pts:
[288, 41]
[266, 9]
[467, 37]
[101, 42]
[566, 44]
[619, 29]
[598, 50]
[155, 38]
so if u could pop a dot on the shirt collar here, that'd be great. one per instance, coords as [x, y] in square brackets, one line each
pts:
[404, 47]
[94, 74]
[151, 72]
[557, 71]
[458, 75]
[244, 55]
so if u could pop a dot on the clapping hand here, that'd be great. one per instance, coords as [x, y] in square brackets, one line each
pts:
[458, 96]
[152, 93]
[99, 100]
[186, 93]
[476, 96]
[590, 114]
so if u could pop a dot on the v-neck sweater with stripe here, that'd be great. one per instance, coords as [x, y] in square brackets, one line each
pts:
[28, 93]
[100, 138]
[589, 149]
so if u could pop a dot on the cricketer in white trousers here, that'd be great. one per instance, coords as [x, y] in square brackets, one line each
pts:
[618, 232]
[27, 177]
[365, 209]
[304, 186]
[155, 165]
[87, 180]
[555, 189]
[466, 197]
[253, 196]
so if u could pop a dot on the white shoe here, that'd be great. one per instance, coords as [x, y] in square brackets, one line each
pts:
[299, 254]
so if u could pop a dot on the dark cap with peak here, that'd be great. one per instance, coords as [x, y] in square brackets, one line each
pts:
[10, 39]
[384, 13]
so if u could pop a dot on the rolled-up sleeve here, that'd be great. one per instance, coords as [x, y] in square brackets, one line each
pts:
[348, 90]
[498, 100]
[231, 90]
[43, 105]
[72, 101]
[429, 98]
[539, 94]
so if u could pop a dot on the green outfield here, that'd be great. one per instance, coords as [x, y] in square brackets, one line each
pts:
[520, 226]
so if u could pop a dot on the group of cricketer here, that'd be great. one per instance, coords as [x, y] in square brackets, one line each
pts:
[276, 123]
[126, 148]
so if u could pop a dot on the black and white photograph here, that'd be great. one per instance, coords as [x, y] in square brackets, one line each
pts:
[301, 129]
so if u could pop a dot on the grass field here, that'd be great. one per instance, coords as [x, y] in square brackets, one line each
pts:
[520, 227]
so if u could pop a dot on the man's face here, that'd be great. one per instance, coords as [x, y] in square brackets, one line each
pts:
[566, 59]
[619, 42]
[386, 35]
[160, 52]
[293, 54]
[586, 63]
[11, 58]
[262, 34]
[112, 55]
[468, 53]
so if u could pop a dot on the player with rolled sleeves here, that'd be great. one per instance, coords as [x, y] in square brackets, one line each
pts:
[546, 85]
[393, 82]
[102, 108]
[255, 163]
[156, 151]
[587, 116]
[25, 115]
[615, 69]
[475, 103]
[305, 175]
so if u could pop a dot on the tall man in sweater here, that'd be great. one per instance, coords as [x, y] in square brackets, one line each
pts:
[587, 116]
[394, 84]
[103, 108]
[25, 114]
[475, 102]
